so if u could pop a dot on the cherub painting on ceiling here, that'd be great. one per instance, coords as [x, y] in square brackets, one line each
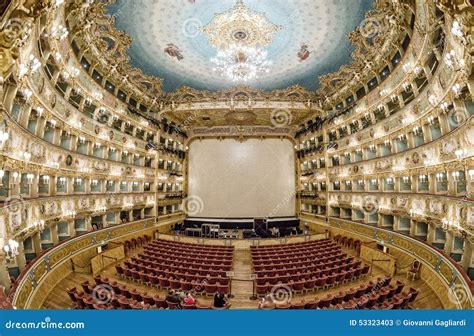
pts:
[304, 52]
[173, 51]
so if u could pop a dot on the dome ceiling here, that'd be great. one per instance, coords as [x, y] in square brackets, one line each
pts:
[167, 42]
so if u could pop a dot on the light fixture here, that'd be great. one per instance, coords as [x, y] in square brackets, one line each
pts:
[423, 178]
[39, 225]
[11, 250]
[457, 176]
[15, 176]
[239, 35]
[69, 214]
[441, 177]
[29, 178]
[4, 136]
[460, 153]
[471, 174]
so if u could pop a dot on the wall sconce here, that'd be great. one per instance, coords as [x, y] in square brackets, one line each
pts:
[441, 177]
[78, 181]
[387, 143]
[11, 250]
[417, 130]
[460, 153]
[69, 214]
[471, 174]
[26, 156]
[62, 180]
[29, 178]
[423, 178]
[39, 225]
[444, 106]
[15, 176]
[457, 176]
[374, 181]
[94, 182]
[4, 136]
[128, 205]
[457, 89]
[389, 180]
[406, 179]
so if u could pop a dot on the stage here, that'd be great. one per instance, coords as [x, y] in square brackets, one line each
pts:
[234, 228]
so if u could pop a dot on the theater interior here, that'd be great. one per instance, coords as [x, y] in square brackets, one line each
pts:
[236, 154]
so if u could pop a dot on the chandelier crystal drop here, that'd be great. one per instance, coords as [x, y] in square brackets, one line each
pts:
[240, 63]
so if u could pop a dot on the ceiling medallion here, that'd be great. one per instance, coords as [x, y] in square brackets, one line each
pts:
[239, 35]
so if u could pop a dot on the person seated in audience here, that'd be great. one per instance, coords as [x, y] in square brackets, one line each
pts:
[275, 232]
[266, 303]
[173, 297]
[189, 300]
[220, 301]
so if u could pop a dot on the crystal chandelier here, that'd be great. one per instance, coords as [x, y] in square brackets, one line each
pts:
[240, 63]
[239, 35]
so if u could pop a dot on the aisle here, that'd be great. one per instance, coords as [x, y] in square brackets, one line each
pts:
[242, 290]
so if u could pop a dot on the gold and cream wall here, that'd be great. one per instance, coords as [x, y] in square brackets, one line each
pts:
[402, 155]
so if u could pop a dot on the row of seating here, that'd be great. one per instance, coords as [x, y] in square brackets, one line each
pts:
[163, 250]
[134, 243]
[191, 246]
[164, 269]
[326, 278]
[105, 295]
[298, 255]
[340, 261]
[351, 243]
[376, 294]
[159, 256]
[186, 282]
[310, 245]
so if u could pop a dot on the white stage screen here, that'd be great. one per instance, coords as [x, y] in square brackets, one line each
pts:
[253, 178]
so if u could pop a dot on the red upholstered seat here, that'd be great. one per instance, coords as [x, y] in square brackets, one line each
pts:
[159, 303]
